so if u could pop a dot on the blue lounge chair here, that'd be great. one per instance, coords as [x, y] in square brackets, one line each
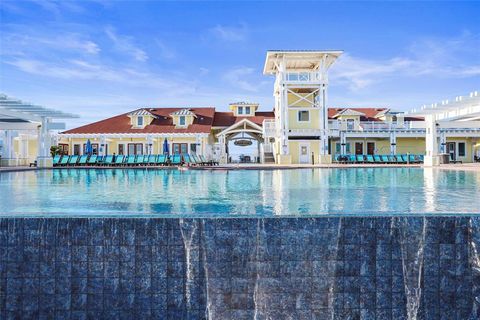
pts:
[378, 158]
[92, 160]
[370, 158]
[139, 160]
[188, 159]
[131, 160]
[196, 159]
[385, 159]
[152, 159]
[420, 158]
[404, 158]
[119, 160]
[176, 160]
[145, 160]
[359, 158]
[411, 158]
[352, 158]
[108, 161]
[161, 159]
[73, 160]
[56, 159]
[83, 160]
[392, 159]
[64, 160]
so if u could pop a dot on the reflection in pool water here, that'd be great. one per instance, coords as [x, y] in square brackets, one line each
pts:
[365, 191]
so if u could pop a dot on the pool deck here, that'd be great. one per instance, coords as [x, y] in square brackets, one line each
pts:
[465, 166]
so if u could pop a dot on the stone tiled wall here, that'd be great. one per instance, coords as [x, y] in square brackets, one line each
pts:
[272, 268]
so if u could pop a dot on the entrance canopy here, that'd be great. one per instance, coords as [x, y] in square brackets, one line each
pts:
[17, 116]
[462, 108]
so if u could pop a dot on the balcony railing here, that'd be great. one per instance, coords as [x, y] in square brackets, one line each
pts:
[269, 127]
[302, 77]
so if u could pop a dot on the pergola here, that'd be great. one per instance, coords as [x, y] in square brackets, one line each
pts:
[463, 109]
[20, 116]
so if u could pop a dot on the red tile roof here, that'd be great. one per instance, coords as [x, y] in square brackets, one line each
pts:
[226, 119]
[162, 124]
[369, 113]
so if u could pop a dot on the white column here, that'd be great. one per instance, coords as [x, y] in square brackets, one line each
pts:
[431, 156]
[324, 121]
[343, 143]
[443, 142]
[44, 159]
[393, 143]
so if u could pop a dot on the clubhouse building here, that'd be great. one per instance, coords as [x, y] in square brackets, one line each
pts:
[299, 129]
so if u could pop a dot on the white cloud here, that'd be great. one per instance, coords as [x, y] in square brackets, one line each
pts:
[230, 33]
[165, 51]
[84, 70]
[428, 58]
[125, 44]
[237, 77]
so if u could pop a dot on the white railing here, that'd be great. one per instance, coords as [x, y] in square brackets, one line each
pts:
[304, 132]
[302, 77]
[268, 127]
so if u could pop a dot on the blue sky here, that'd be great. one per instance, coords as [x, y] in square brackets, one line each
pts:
[99, 59]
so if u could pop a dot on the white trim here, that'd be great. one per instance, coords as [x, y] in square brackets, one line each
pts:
[132, 135]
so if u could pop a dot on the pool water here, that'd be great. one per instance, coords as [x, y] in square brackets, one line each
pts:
[259, 193]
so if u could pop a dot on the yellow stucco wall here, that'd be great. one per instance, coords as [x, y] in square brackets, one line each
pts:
[294, 149]
[293, 122]
[157, 143]
[293, 100]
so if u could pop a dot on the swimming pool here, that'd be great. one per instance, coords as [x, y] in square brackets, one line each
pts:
[370, 243]
[310, 192]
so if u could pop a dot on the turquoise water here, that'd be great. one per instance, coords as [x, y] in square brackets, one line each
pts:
[139, 192]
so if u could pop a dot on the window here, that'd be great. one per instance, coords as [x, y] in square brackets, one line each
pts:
[180, 148]
[240, 110]
[139, 121]
[121, 149]
[94, 148]
[181, 120]
[193, 148]
[76, 149]
[461, 149]
[63, 148]
[247, 110]
[135, 148]
[350, 124]
[303, 116]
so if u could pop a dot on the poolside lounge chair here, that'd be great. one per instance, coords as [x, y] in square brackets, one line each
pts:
[73, 160]
[152, 159]
[420, 158]
[385, 159]
[189, 159]
[377, 158]
[92, 160]
[145, 160]
[108, 161]
[391, 158]
[119, 160]
[359, 158]
[176, 160]
[131, 160]
[411, 159]
[139, 160]
[64, 160]
[370, 158]
[352, 158]
[401, 159]
[83, 160]
[161, 160]
[56, 160]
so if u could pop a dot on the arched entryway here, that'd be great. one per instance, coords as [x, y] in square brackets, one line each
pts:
[243, 133]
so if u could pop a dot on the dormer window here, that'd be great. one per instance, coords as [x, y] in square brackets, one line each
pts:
[240, 110]
[181, 121]
[139, 121]
[247, 110]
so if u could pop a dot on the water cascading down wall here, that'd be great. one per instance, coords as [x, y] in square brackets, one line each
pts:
[240, 268]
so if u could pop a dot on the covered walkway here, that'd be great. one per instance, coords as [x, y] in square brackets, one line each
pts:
[27, 132]
[463, 113]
